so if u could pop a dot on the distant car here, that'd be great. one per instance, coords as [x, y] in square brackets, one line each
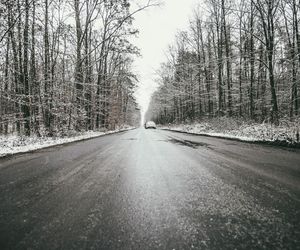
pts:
[150, 124]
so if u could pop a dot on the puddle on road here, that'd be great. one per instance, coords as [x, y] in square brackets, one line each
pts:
[130, 139]
[187, 143]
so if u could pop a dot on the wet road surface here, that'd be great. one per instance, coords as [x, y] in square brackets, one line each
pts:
[151, 189]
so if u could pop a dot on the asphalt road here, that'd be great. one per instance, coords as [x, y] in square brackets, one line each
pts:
[151, 189]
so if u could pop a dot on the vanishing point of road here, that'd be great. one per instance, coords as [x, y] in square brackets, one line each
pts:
[151, 189]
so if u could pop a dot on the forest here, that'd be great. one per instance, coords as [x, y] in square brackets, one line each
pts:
[66, 65]
[238, 59]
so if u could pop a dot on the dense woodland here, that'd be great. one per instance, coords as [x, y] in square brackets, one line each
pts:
[239, 58]
[65, 65]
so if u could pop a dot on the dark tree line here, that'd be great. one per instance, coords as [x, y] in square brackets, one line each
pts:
[65, 65]
[242, 59]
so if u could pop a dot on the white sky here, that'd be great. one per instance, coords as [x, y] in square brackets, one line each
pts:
[158, 27]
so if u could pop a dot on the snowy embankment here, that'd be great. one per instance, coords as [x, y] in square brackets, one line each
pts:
[286, 134]
[13, 144]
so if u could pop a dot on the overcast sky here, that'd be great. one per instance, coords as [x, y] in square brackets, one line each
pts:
[158, 27]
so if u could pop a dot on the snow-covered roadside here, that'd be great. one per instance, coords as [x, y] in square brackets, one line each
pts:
[284, 134]
[13, 144]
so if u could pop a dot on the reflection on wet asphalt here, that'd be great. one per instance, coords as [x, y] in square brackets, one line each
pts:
[151, 189]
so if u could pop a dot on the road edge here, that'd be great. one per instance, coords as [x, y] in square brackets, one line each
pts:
[277, 143]
[9, 155]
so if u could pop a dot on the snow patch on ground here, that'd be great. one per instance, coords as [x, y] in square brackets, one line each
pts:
[13, 144]
[287, 132]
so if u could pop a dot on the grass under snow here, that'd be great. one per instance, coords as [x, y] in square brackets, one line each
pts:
[287, 133]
